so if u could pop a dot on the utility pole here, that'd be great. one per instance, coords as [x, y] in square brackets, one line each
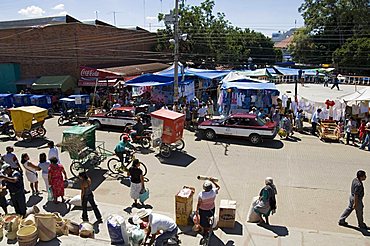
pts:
[114, 17]
[176, 53]
[96, 14]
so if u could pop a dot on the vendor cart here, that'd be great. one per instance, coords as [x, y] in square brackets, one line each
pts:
[168, 128]
[328, 130]
[28, 121]
[86, 153]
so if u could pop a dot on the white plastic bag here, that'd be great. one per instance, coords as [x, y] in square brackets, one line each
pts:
[76, 201]
[252, 215]
[117, 230]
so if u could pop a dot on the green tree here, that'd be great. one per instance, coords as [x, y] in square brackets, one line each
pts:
[213, 40]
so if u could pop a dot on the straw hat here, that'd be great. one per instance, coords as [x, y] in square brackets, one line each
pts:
[5, 166]
[142, 213]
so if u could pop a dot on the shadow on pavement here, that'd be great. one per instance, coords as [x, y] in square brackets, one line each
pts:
[33, 200]
[34, 143]
[267, 143]
[97, 177]
[364, 232]
[215, 241]
[280, 231]
[177, 158]
[7, 138]
[237, 230]
[54, 242]
[61, 208]
[187, 230]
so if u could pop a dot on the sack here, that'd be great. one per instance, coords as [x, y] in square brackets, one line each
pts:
[144, 195]
[117, 230]
[252, 215]
[76, 201]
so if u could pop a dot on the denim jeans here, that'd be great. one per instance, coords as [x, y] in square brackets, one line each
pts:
[365, 142]
[164, 237]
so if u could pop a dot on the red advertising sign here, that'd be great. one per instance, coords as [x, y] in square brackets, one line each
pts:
[88, 77]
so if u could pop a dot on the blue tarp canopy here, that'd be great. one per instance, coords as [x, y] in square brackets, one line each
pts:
[248, 86]
[153, 80]
[286, 71]
[201, 73]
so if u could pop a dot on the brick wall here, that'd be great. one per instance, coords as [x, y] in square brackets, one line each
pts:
[61, 49]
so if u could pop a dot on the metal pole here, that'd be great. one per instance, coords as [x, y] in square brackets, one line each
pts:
[114, 17]
[176, 53]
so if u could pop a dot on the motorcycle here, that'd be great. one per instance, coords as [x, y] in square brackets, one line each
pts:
[7, 129]
[69, 116]
[144, 139]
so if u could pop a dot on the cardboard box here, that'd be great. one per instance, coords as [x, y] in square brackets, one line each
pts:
[184, 205]
[227, 214]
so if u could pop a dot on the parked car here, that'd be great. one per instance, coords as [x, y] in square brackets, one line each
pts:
[121, 117]
[240, 125]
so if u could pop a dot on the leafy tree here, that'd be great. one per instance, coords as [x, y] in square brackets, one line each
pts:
[213, 40]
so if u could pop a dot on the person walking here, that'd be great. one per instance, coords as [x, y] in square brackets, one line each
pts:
[366, 140]
[350, 126]
[11, 159]
[3, 193]
[355, 201]
[267, 202]
[53, 151]
[55, 177]
[137, 181]
[326, 80]
[44, 165]
[88, 196]
[31, 173]
[314, 120]
[15, 185]
[336, 82]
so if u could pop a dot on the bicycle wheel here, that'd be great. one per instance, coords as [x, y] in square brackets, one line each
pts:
[76, 167]
[143, 168]
[180, 144]
[114, 165]
[165, 151]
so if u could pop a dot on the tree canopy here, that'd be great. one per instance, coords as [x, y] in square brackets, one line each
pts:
[212, 40]
[331, 28]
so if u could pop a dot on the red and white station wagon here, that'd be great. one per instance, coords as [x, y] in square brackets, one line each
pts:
[121, 117]
[240, 125]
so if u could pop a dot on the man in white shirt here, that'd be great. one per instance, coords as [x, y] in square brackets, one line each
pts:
[158, 223]
[202, 112]
[314, 120]
[53, 151]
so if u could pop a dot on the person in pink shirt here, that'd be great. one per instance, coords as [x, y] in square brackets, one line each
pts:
[206, 204]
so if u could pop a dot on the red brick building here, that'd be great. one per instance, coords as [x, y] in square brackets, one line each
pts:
[60, 45]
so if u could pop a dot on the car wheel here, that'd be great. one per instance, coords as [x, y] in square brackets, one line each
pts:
[165, 151]
[97, 124]
[11, 133]
[255, 139]
[210, 134]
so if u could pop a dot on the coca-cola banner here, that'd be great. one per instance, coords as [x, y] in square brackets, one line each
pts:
[88, 77]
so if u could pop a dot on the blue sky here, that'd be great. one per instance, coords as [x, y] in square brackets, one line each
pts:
[266, 16]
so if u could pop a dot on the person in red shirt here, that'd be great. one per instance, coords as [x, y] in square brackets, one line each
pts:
[362, 130]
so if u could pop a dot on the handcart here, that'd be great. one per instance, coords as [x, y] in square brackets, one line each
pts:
[28, 122]
[328, 130]
[86, 153]
[168, 128]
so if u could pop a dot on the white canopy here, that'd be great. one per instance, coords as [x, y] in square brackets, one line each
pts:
[361, 95]
[240, 77]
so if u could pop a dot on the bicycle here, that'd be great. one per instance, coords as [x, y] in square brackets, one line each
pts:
[116, 166]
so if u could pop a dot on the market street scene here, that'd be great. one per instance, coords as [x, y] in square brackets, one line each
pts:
[184, 123]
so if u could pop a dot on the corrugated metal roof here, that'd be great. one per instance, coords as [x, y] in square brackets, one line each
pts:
[38, 22]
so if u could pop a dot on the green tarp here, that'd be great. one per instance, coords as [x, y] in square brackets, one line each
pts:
[63, 83]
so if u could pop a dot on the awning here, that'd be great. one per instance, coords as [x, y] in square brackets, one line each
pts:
[64, 83]
[249, 86]
[25, 81]
[240, 77]
[83, 81]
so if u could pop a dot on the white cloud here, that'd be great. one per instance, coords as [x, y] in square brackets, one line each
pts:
[59, 7]
[32, 11]
[151, 19]
[62, 13]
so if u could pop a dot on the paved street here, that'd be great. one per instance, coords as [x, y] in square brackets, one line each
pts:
[312, 177]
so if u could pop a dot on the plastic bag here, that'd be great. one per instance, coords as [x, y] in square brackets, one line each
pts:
[252, 215]
[144, 196]
[137, 236]
[117, 230]
[76, 201]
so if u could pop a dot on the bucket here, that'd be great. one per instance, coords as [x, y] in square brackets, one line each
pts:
[11, 223]
[27, 236]
[33, 210]
[46, 225]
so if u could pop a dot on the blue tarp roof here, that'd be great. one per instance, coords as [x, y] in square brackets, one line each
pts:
[201, 73]
[249, 86]
[154, 80]
[294, 71]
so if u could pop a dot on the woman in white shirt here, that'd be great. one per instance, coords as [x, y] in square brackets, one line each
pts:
[44, 165]
[31, 173]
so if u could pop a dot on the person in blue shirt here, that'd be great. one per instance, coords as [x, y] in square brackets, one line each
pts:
[123, 147]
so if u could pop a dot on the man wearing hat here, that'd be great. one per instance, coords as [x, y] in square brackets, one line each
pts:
[157, 223]
[15, 185]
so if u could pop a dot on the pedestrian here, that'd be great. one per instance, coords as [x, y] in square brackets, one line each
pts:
[286, 125]
[31, 173]
[137, 181]
[314, 120]
[355, 201]
[317, 77]
[206, 206]
[88, 196]
[336, 82]
[299, 120]
[300, 72]
[14, 183]
[3, 193]
[210, 109]
[160, 227]
[276, 116]
[11, 159]
[362, 131]
[44, 165]
[202, 112]
[326, 80]
[53, 151]
[366, 140]
[350, 126]
[267, 202]
[56, 181]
